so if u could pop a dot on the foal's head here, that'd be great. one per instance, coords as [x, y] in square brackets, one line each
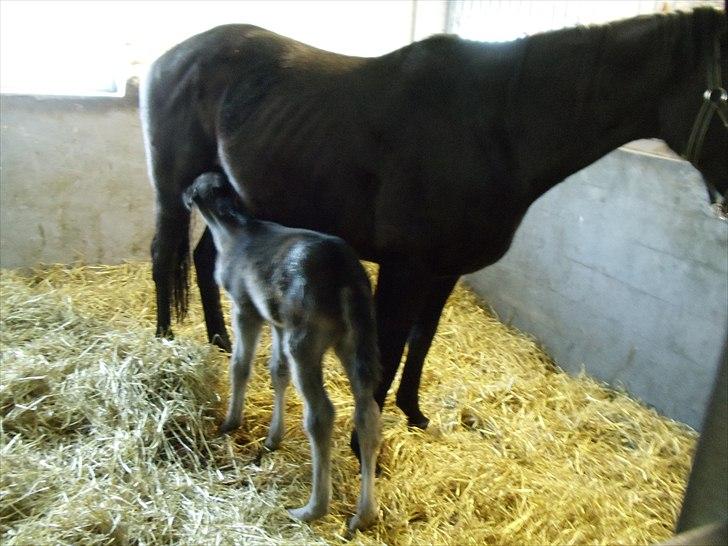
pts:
[215, 198]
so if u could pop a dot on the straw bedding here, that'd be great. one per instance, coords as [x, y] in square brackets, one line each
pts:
[108, 436]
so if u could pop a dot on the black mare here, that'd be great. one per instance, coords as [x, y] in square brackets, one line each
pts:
[425, 159]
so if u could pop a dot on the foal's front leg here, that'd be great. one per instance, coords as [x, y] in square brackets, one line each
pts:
[246, 327]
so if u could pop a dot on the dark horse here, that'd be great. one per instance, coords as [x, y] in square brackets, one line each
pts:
[425, 160]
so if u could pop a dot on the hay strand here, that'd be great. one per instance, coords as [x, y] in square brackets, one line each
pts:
[108, 436]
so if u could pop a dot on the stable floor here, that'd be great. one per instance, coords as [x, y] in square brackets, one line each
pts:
[109, 436]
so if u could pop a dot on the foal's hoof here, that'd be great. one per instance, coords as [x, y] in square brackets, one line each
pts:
[272, 444]
[228, 426]
[307, 513]
[361, 522]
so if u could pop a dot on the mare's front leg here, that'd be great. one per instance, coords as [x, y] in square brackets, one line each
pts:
[280, 377]
[418, 343]
[304, 354]
[204, 258]
[398, 300]
[246, 326]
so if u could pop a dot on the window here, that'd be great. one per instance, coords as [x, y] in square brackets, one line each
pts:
[501, 20]
[92, 48]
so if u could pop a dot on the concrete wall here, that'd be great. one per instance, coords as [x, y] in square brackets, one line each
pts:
[73, 181]
[623, 271]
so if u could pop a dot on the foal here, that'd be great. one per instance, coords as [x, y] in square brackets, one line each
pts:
[315, 294]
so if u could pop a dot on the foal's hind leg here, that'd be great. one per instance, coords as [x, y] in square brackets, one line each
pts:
[280, 377]
[246, 324]
[304, 355]
[204, 258]
[367, 423]
[368, 427]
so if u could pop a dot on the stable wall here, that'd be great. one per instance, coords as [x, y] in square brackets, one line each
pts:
[74, 184]
[73, 175]
[622, 271]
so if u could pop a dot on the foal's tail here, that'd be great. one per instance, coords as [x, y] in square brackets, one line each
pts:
[362, 335]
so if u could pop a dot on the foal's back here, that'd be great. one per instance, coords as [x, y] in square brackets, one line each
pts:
[293, 277]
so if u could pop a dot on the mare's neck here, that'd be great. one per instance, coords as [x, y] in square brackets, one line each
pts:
[580, 93]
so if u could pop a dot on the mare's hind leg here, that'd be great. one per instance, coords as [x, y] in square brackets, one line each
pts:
[280, 377]
[204, 258]
[304, 356]
[170, 262]
[178, 149]
[398, 300]
[368, 427]
[418, 343]
[246, 325]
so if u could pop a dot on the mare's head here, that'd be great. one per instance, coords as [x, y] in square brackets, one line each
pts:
[215, 198]
[693, 113]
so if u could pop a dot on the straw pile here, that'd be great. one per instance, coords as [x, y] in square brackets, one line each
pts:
[108, 436]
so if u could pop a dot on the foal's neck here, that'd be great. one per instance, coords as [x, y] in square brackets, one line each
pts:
[228, 226]
[583, 92]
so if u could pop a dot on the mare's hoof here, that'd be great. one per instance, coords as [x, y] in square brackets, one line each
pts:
[164, 333]
[222, 342]
[418, 421]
